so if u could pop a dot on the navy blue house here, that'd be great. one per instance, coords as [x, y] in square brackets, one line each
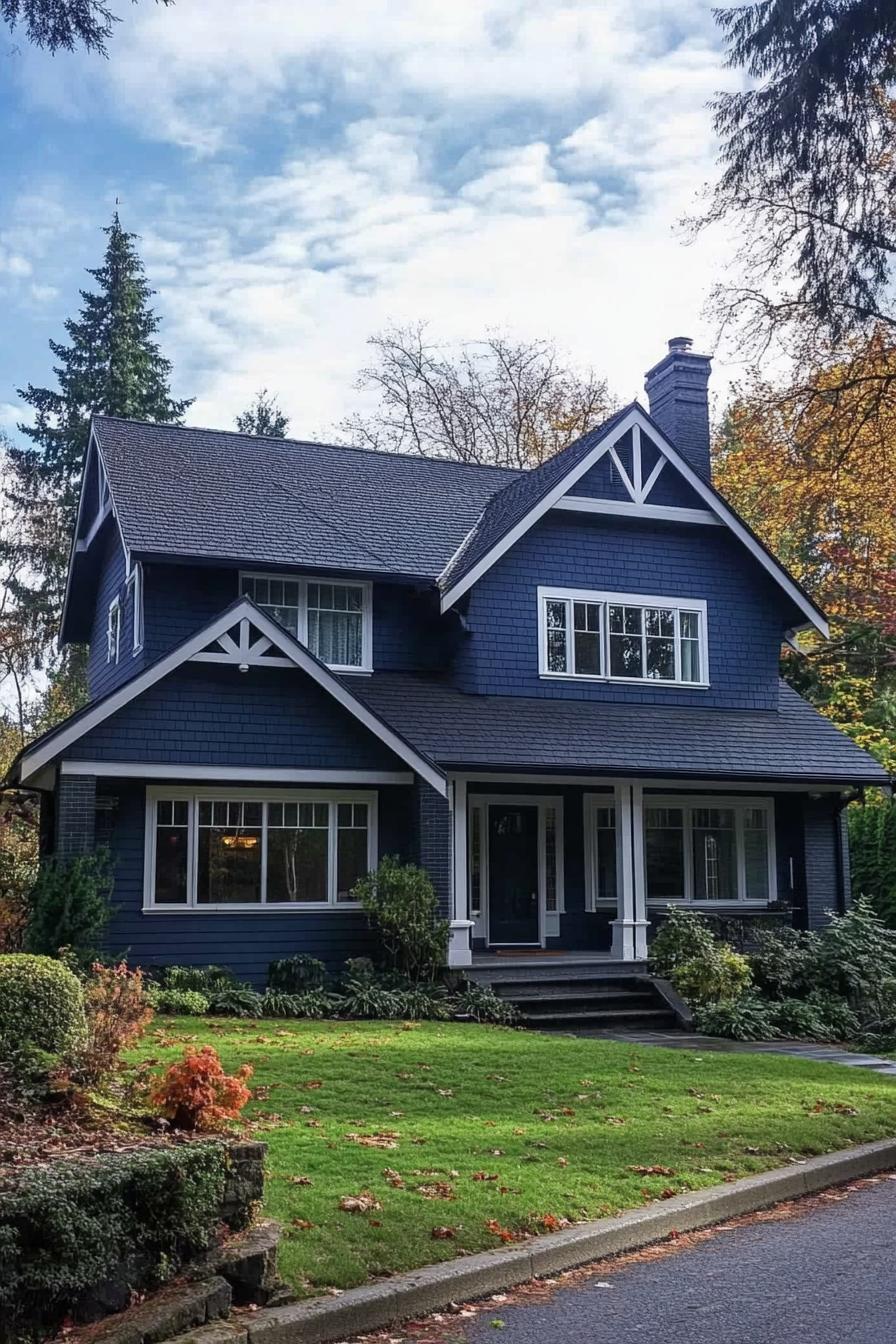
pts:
[556, 689]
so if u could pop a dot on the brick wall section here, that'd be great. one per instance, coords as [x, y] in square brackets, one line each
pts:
[823, 860]
[434, 841]
[75, 816]
[746, 613]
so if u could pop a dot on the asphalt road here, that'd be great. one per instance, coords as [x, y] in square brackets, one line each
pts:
[826, 1276]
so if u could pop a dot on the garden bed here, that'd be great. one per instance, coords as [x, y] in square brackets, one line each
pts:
[446, 1138]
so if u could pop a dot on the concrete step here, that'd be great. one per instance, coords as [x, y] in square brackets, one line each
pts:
[654, 1019]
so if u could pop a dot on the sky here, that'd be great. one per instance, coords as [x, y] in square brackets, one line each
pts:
[302, 175]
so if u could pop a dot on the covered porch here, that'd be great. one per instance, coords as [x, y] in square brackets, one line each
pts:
[576, 872]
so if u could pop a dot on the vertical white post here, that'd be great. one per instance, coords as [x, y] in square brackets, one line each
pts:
[460, 951]
[630, 925]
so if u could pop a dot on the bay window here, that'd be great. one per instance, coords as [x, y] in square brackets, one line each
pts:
[708, 849]
[331, 618]
[215, 849]
[621, 637]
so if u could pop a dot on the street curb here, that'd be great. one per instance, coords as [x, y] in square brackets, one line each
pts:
[359, 1310]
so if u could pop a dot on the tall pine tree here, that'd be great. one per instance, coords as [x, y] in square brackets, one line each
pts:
[264, 417]
[112, 364]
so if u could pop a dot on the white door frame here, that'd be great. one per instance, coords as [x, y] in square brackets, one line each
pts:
[541, 802]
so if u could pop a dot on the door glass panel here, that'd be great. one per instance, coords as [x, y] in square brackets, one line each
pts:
[756, 853]
[715, 863]
[605, 853]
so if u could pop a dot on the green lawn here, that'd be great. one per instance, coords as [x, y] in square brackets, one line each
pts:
[481, 1124]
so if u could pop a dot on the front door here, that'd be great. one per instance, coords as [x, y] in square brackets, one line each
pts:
[513, 874]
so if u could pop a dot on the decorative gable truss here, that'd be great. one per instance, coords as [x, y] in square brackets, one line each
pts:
[243, 636]
[642, 457]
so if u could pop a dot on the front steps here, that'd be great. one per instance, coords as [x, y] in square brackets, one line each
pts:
[579, 998]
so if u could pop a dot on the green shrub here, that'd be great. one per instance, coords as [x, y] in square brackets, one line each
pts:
[293, 975]
[41, 1004]
[316, 1003]
[177, 1002]
[359, 968]
[833, 1010]
[68, 1226]
[482, 1004]
[206, 980]
[276, 1003]
[423, 1003]
[400, 902]
[367, 998]
[721, 974]
[800, 1019]
[683, 936]
[872, 852]
[856, 958]
[744, 1019]
[236, 1000]
[69, 906]
[783, 962]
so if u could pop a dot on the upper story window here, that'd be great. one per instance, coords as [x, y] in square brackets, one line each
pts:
[622, 637]
[135, 593]
[333, 619]
[113, 631]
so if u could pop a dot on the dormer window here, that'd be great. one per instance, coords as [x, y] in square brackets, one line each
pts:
[331, 617]
[622, 637]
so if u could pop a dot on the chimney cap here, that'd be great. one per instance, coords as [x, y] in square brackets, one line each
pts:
[680, 345]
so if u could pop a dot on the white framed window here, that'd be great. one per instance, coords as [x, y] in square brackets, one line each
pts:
[602, 846]
[252, 849]
[709, 850]
[113, 631]
[622, 637]
[135, 591]
[333, 618]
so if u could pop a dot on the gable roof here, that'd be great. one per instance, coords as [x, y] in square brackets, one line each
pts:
[792, 743]
[210, 494]
[218, 634]
[510, 514]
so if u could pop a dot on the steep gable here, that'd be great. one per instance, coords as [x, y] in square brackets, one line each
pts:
[638, 460]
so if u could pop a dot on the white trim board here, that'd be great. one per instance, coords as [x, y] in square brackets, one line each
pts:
[245, 609]
[262, 774]
[665, 513]
[635, 418]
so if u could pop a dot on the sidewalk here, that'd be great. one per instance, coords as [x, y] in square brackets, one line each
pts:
[681, 1040]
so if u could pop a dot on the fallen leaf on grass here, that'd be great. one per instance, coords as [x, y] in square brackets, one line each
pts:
[394, 1178]
[498, 1230]
[551, 1223]
[312, 1084]
[562, 1161]
[833, 1107]
[365, 1202]
[386, 1139]
[301, 1224]
[652, 1171]
[300, 1180]
[484, 1176]
[443, 1233]
[615, 1120]
[436, 1190]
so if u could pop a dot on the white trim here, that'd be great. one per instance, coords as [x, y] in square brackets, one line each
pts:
[302, 659]
[260, 774]
[302, 581]
[634, 416]
[623, 508]
[156, 793]
[135, 585]
[113, 631]
[598, 781]
[591, 801]
[603, 600]
[460, 951]
[686, 803]
[84, 543]
[539, 802]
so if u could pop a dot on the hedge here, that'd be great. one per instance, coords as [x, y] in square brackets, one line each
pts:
[71, 1226]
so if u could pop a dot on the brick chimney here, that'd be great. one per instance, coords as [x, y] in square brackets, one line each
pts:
[677, 395]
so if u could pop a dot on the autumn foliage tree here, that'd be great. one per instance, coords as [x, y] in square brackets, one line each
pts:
[814, 475]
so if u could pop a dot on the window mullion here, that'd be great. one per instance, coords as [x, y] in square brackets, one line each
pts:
[677, 642]
[570, 637]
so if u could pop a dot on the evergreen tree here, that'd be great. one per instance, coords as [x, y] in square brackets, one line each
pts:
[264, 417]
[112, 364]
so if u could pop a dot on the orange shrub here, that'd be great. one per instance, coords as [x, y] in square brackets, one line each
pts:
[117, 1016]
[196, 1093]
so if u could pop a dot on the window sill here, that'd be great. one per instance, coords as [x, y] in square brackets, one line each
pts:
[627, 681]
[732, 904]
[272, 908]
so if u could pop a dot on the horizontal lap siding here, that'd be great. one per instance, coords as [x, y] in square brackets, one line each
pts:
[246, 941]
[218, 715]
[745, 612]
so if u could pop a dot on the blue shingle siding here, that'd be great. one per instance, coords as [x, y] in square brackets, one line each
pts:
[246, 941]
[434, 841]
[75, 816]
[744, 613]
[103, 676]
[217, 715]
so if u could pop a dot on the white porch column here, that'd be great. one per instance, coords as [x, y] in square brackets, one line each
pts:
[460, 952]
[630, 925]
